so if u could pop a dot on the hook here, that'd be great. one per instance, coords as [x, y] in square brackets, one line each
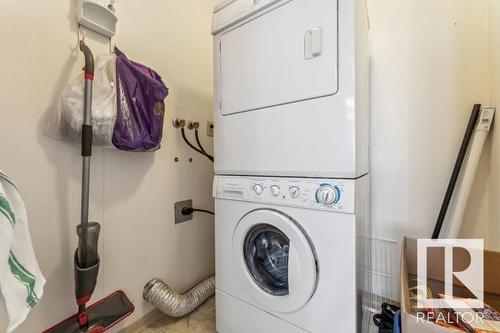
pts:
[111, 48]
[81, 32]
[111, 5]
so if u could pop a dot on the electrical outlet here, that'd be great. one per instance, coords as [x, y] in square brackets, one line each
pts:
[179, 217]
[210, 128]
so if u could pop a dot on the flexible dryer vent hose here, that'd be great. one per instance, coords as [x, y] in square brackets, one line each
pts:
[174, 304]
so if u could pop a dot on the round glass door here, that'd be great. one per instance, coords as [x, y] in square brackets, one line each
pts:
[275, 260]
[266, 255]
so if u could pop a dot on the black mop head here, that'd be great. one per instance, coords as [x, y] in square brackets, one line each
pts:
[102, 315]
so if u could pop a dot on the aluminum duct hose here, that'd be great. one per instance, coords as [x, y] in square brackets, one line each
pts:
[174, 304]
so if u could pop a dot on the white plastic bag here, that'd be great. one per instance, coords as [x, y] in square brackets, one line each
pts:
[66, 120]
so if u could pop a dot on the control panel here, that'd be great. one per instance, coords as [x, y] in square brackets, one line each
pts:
[326, 194]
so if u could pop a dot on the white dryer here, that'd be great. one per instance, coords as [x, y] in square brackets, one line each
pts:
[291, 88]
[291, 254]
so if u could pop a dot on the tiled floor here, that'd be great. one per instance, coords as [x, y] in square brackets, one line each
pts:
[200, 321]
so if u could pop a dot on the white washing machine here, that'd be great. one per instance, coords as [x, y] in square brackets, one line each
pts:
[291, 254]
[291, 88]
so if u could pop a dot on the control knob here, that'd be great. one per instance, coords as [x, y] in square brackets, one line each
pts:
[275, 190]
[328, 194]
[258, 189]
[294, 192]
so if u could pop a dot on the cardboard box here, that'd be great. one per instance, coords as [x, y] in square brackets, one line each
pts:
[435, 273]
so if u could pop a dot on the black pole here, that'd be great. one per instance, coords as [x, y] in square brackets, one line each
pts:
[456, 169]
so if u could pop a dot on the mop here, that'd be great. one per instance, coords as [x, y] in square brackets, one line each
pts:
[107, 312]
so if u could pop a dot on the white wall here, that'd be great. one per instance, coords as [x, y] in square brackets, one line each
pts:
[494, 181]
[132, 193]
[430, 64]
[489, 227]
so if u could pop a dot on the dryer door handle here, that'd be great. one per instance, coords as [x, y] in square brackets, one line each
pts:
[313, 43]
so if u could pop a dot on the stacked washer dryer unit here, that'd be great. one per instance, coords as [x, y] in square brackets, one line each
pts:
[292, 162]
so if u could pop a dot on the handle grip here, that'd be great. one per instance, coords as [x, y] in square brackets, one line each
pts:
[89, 60]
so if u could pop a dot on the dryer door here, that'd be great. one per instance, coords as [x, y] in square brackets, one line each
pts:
[276, 260]
[286, 55]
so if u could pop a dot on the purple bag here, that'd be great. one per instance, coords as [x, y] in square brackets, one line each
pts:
[140, 106]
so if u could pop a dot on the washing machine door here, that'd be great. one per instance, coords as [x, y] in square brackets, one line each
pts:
[275, 259]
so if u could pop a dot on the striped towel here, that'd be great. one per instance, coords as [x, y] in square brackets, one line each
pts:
[21, 281]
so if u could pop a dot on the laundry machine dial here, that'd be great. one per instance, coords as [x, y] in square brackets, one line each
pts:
[258, 189]
[275, 190]
[328, 194]
[294, 192]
